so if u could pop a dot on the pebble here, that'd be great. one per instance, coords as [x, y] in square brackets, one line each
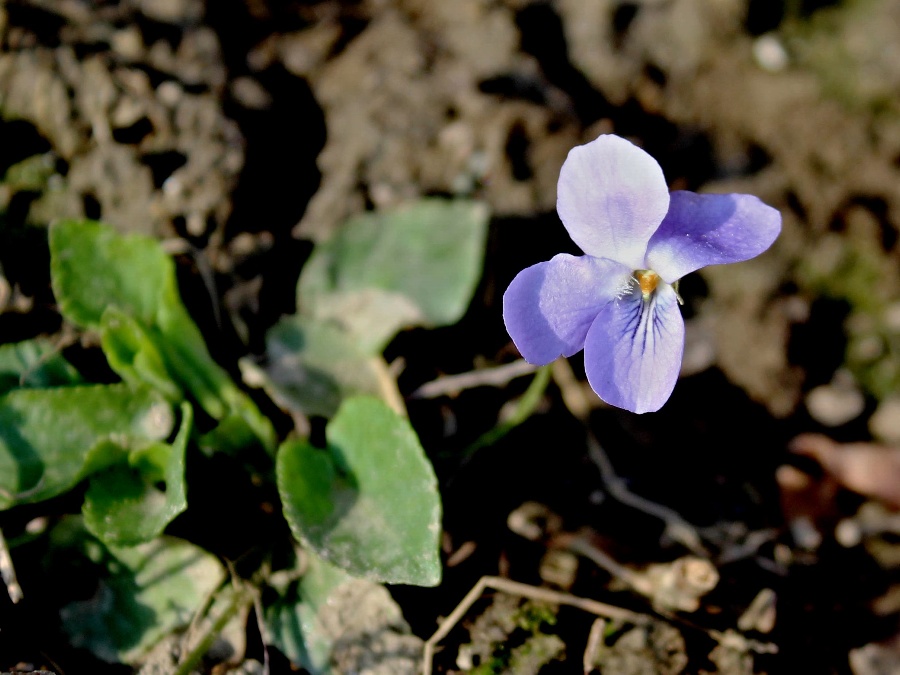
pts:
[837, 402]
[885, 422]
[770, 54]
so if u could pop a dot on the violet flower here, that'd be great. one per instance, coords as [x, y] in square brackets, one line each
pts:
[619, 302]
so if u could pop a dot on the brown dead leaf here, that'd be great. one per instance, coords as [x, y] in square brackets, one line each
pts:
[807, 503]
[866, 468]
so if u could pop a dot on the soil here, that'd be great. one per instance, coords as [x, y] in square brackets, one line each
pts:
[242, 132]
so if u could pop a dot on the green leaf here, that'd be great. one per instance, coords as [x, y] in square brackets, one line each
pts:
[132, 353]
[417, 265]
[311, 367]
[34, 364]
[46, 435]
[230, 435]
[150, 336]
[368, 503]
[294, 620]
[94, 267]
[328, 613]
[131, 502]
[149, 591]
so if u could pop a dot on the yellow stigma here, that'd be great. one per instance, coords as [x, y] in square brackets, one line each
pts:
[648, 280]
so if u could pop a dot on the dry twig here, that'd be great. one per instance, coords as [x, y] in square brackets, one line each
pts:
[452, 385]
[8, 572]
[676, 526]
[525, 591]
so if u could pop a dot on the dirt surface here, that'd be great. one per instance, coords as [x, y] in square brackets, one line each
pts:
[244, 131]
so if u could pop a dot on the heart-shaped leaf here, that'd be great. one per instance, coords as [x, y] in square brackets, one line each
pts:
[416, 265]
[132, 501]
[312, 366]
[148, 591]
[368, 503]
[46, 434]
[327, 615]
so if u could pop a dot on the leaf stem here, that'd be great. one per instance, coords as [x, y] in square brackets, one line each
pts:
[241, 596]
[523, 410]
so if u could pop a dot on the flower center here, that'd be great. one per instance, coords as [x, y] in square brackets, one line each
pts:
[648, 280]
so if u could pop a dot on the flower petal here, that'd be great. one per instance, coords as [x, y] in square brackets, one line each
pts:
[708, 229]
[549, 307]
[611, 197]
[632, 353]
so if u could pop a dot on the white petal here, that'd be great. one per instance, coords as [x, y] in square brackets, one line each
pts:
[611, 197]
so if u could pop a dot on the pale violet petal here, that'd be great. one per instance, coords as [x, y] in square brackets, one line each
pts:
[710, 229]
[633, 350]
[611, 197]
[549, 307]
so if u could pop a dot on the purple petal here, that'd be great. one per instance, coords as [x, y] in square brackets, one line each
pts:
[707, 229]
[611, 197]
[549, 307]
[632, 353]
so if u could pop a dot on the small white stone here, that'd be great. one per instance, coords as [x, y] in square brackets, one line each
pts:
[770, 54]
[885, 422]
[169, 93]
[836, 403]
[848, 533]
[250, 93]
